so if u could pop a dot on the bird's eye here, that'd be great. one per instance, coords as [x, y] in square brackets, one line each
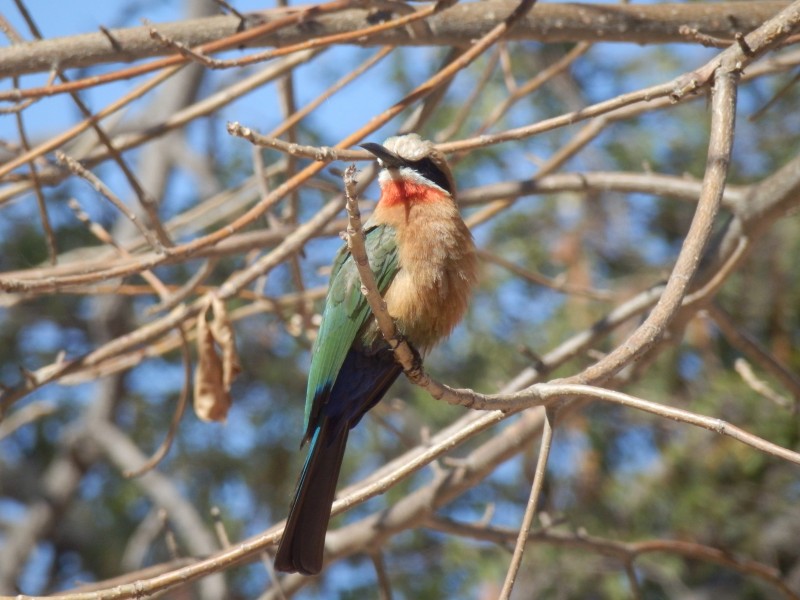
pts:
[431, 171]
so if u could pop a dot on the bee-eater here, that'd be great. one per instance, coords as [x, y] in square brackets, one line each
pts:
[424, 262]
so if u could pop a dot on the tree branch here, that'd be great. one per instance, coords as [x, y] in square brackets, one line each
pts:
[456, 26]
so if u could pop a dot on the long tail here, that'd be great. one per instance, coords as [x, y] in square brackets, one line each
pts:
[303, 540]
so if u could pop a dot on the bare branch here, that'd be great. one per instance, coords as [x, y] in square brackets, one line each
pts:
[643, 24]
[530, 509]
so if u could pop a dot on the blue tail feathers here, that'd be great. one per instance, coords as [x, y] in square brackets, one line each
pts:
[362, 381]
[303, 540]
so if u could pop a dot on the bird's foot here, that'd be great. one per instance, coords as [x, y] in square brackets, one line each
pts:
[416, 357]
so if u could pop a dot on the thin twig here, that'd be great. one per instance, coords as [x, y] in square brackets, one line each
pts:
[558, 284]
[625, 552]
[49, 235]
[324, 154]
[58, 140]
[171, 64]
[751, 347]
[709, 41]
[468, 107]
[784, 89]
[179, 295]
[219, 528]
[759, 386]
[542, 77]
[384, 584]
[530, 509]
[183, 401]
[201, 57]
[74, 166]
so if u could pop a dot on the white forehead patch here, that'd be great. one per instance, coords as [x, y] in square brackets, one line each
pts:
[410, 147]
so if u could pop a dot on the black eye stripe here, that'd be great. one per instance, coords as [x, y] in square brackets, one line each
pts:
[430, 171]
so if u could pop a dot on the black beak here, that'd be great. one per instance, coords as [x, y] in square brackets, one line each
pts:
[387, 158]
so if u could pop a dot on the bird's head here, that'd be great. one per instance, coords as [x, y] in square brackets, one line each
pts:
[412, 168]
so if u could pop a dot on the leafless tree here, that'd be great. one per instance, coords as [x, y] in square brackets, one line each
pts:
[229, 267]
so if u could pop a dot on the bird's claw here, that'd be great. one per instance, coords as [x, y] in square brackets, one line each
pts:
[416, 360]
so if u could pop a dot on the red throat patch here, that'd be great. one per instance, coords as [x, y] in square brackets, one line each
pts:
[408, 192]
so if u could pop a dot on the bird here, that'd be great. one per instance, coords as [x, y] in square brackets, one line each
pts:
[425, 265]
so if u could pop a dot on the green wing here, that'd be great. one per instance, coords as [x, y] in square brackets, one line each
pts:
[346, 311]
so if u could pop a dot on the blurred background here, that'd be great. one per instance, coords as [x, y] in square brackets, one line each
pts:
[573, 224]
